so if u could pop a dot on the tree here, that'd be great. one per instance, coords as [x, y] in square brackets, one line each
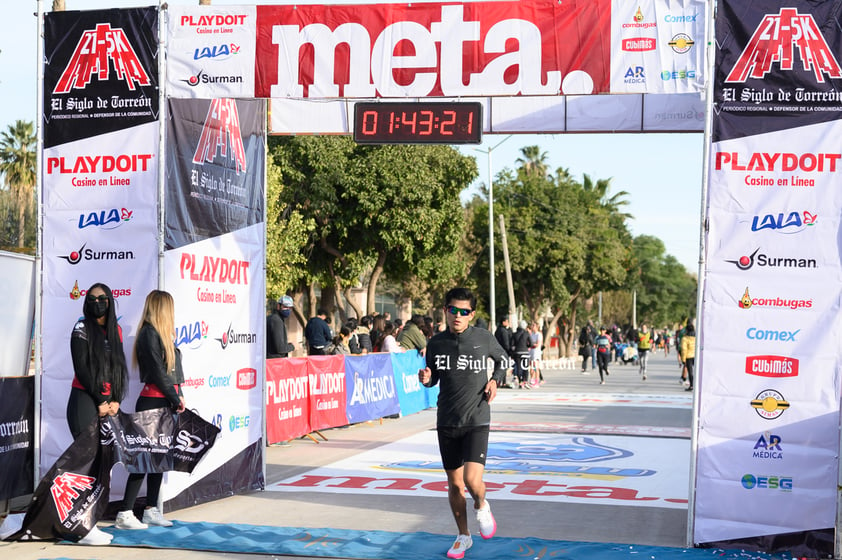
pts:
[533, 162]
[376, 210]
[17, 164]
[666, 292]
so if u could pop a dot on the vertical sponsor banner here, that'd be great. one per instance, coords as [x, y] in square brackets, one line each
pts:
[100, 171]
[17, 413]
[768, 439]
[370, 387]
[657, 46]
[214, 267]
[327, 391]
[412, 396]
[287, 399]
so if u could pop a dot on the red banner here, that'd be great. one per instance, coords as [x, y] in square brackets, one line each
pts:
[287, 399]
[327, 392]
[529, 47]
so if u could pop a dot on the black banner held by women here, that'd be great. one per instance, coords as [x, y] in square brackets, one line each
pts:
[16, 436]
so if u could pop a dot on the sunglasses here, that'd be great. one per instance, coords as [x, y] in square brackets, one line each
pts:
[102, 299]
[453, 310]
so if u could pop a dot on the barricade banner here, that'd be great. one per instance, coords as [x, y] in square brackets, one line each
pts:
[370, 387]
[769, 391]
[16, 436]
[327, 392]
[412, 396]
[287, 399]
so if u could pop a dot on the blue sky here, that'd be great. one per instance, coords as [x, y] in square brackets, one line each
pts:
[662, 172]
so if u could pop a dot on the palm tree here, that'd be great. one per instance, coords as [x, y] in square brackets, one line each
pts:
[534, 161]
[17, 164]
[599, 191]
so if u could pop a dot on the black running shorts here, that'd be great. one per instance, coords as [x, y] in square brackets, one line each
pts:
[461, 445]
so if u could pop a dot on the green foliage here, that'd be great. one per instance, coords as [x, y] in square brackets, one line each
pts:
[17, 165]
[375, 210]
[666, 292]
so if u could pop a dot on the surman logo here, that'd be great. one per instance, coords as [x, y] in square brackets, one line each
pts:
[96, 53]
[221, 133]
[775, 40]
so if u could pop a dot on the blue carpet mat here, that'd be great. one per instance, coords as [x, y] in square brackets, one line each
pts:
[383, 545]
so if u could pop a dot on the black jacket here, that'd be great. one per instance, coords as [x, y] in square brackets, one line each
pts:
[504, 338]
[520, 341]
[277, 345]
[153, 367]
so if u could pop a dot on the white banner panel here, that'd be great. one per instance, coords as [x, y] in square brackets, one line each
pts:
[211, 51]
[657, 46]
[17, 276]
[218, 286]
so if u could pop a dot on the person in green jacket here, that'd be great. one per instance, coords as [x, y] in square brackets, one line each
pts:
[411, 337]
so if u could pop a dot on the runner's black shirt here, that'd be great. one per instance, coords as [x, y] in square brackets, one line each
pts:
[460, 363]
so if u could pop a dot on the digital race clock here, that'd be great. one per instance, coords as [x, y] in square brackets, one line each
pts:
[418, 123]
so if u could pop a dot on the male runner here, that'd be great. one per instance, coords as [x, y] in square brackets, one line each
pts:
[458, 359]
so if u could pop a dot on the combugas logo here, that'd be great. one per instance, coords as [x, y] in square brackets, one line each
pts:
[639, 21]
[97, 53]
[747, 302]
[776, 39]
[221, 133]
[769, 404]
[77, 293]
[745, 262]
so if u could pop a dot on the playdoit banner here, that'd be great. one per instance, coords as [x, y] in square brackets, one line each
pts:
[768, 439]
[214, 267]
[99, 203]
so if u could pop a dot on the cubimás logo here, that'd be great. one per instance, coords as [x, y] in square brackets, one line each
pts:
[745, 262]
[750, 481]
[106, 219]
[75, 257]
[795, 222]
[221, 132]
[772, 366]
[232, 337]
[768, 446]
[639, 44]
[97, 52]
[246, 378]
[776, 39]
[681, 43]
[769, 404]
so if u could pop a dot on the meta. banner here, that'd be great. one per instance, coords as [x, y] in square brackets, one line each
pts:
[430, 49]
[768, 438]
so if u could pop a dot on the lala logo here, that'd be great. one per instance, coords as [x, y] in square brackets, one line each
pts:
[794, 220]
[96, 53]
[216, 51]
[106, 219]
[775, 40]
[221, 133]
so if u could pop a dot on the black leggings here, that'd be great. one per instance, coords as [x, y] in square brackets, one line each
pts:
[602, 360]
[153, 480]
[81, 411]
[690, 362]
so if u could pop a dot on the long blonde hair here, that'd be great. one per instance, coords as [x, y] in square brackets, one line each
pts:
[159, 311]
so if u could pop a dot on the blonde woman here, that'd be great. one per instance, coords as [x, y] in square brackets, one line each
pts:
[159, 362]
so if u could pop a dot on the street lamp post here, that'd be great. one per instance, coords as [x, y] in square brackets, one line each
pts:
[491, 288]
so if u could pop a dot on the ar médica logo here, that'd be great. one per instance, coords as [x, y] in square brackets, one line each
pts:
[776, 39]
[221, 133]
[97, 52]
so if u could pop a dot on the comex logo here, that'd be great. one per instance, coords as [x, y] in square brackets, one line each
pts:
[775, 40]
[750, 481]
[96, 53]
[753, 333]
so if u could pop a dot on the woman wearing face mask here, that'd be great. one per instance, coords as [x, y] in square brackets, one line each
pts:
[100, 374]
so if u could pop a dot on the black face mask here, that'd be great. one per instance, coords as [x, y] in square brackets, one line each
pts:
[284, 313]
[97, 309]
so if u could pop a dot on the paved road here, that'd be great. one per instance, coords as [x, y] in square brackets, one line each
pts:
[569, 404]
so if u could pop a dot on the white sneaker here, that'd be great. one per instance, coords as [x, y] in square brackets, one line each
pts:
[487, 524]
[153, 516]
[96, 537]
[127, 520]
[460, 545]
